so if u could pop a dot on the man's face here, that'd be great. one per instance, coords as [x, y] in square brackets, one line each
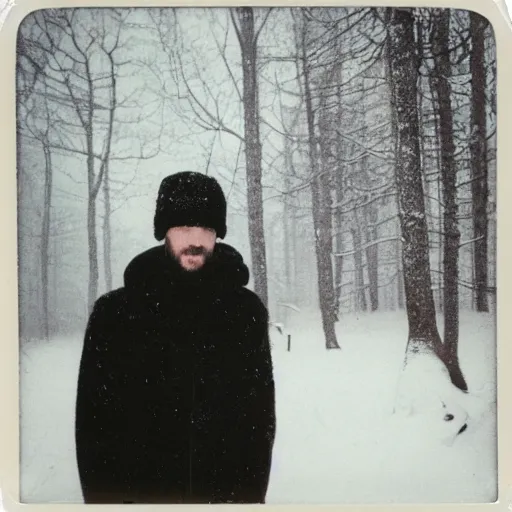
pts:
[191, 246]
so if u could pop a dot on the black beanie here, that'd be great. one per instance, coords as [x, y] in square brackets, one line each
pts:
[190, 199]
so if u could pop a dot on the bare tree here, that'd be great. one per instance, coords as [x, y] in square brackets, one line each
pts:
[37, 122]
[247, 34]
[73, 77]
[321, 207]
[79, 60]
[45, 231]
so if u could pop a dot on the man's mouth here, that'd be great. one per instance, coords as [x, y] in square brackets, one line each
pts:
[194, 251]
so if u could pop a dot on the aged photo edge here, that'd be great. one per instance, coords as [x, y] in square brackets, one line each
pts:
[9, 362]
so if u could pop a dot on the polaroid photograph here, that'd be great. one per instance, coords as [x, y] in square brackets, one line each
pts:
[255, 255]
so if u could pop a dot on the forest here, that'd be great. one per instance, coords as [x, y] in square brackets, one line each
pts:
[356, 148]
[357, 151]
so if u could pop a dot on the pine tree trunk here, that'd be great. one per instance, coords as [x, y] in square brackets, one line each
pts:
[421, 314]
[442, 86]
[478, 149]
[415, 247]
[248, 45]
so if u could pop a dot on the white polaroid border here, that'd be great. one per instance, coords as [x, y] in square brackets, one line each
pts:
[494, 11]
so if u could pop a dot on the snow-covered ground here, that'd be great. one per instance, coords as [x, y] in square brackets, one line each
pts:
[337, 439]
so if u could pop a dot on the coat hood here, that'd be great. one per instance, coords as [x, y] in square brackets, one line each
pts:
[154, 271]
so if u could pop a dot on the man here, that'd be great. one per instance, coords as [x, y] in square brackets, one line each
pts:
[175, 399]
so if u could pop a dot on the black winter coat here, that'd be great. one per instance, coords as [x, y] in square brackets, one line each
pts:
[175, 399]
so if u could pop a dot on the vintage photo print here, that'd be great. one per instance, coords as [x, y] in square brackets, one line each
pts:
[257, 254]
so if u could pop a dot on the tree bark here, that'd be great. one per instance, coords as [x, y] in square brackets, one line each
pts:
[372, 255]
[321, 218]
[478, 149]
[45, 237]
[338, 217]
[443, 92]
[295, 252]
[369, 234]
[419, 300]
[248, 46]
[91, 203]
[359, 286]
[421, 314]
[105, 172]
[288, 257]
[400, 287]
[107, 232]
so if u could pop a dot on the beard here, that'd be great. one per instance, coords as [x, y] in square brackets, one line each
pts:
[192, 250]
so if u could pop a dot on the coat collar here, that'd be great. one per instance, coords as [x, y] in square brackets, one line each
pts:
[154, 274]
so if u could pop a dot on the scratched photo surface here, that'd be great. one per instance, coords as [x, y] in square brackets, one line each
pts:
[357, 152]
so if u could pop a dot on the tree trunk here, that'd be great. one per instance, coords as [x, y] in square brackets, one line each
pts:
[287, 212]
[369, 232]
[321, 220]
[45, 237]
[92, 195]
[107, 233]
[478, 149]
[442, 87]
[441, 248]
[296, 274]
[439, 191]
[271, 268]
[248, 46]
[372, 255]
[105, 175]
[400, 287]
[359, 286]
[93, 253]
[338, 261]
[415, 252]
[338, 183]
[421, 314]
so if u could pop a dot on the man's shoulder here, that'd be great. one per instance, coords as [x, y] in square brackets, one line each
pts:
[113, 300]
[252, 304]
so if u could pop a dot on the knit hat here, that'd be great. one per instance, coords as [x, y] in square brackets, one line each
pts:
[190, 199]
